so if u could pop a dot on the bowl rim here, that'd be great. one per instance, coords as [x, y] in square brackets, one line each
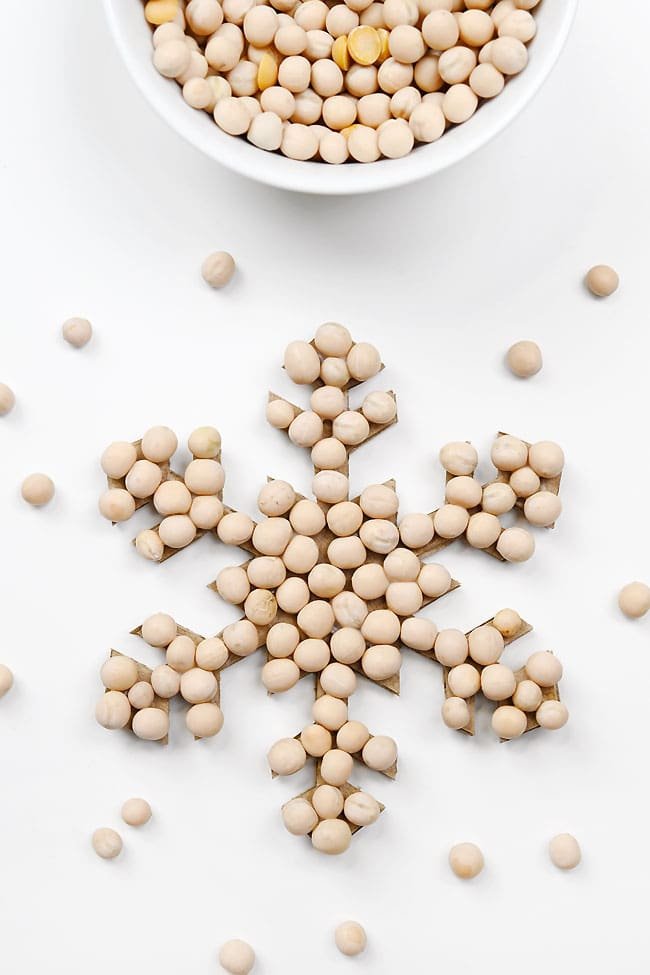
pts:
[276, 170]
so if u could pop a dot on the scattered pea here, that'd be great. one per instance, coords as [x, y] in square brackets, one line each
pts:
[219, 267]
[77, 332]
[350, 938]
[602, 280]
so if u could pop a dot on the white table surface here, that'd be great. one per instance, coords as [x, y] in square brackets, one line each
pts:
[105, 213]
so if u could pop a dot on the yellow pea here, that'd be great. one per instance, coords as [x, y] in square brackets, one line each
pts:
[267, 72]
[340, 53]
[160, 11]
[364, 44]
[383, 37]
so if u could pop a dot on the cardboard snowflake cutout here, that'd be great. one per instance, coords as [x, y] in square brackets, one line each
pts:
[333, 586]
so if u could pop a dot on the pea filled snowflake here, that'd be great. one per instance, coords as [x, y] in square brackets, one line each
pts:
[333, 586]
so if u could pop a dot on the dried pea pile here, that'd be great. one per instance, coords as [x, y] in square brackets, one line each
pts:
[335, 81]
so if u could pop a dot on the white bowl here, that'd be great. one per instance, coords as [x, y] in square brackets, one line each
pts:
[133, 37]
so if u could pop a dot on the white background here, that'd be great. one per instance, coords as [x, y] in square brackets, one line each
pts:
[106, 214]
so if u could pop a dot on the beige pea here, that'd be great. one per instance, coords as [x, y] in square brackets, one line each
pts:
[379, 535]
[379, 408]
[476, 28]
[316, 740]
[219, 88]
[331, 712]
[117, 505]
[316, 619]
[509, 722]
[260, 25]
[261, 607]
[77, 332]
[236, 10]
[347, 645]
[344, 518]
[266, 572]
[119, 673]
[434, 580]
[332, 836]
[419, 634]
[312, 655]
[552, 715]
[336, 767]
[379, 501]
[564, 851]
[361, 80]
[381, 662]
[265, 131]
[165, 681]
[349, 610]
[159, 630]
[519, 24]
[326, 581]
[299, 817]
[602, 280]
[464, 491]
[136, 812]
[319, 47]
[426, 75]
[373, 15]
[198, 68]
[329, 453]
[352, 737]
[338, 680]
[37, 489]
[508, 453]
[299, 142]
[486, 82]
[181, 653]
[351, 428]
[524, 358]
[372, 111]
[151, 724]
[463, 680]
[542, 508]
[546, 459]
[237, 957]
[294, 74]
[370, 581]
[112, 711]
[306, 517]
[452, 649]
[231, 116]
[544, 668]
[427, 122]
[341, 20]
[204, 16]
[380, 753]
[218, 268]
[459, 103]
[172, 58]
[172, 498]
[280, 675]
[524, 482]
[276, 498]
[141, 695]
[497, 682]
[498, 498]
[393, 75]
[450, 521]
[483, 530]
[634, 600]
[311, 15]
[328, 402]
[334, 371]
[339, 112]
[290, 40]
[394, 138]
[177, 531]
[440, 29]
[308, 110]
[223, 52]
[406, 44]
[402, 566]
[509, 55]
[455, 713]
[459, 458]
[166, 32]
[287, 757]
[292, 595]
[516, 545]
[508, 622]
[398, 12]
[271, 536]
[279, 413]
[282, 639]
[330, 486]
[346, 553]
[404, 598]
[204, 720]
[211, 654]
[361, 809]
[381, 626]
[241, 638]
[350, 938]
[466, 860]
[107, 843]
[328, 801]
[233, 585]
[118, 459]
[332, 339]
[485, 644]
[282, 103]
[416, 530]
[143, 479]
[527, 696]
[456, 65]
[307, 429]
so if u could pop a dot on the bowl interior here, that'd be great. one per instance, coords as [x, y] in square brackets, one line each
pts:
[133, 36]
